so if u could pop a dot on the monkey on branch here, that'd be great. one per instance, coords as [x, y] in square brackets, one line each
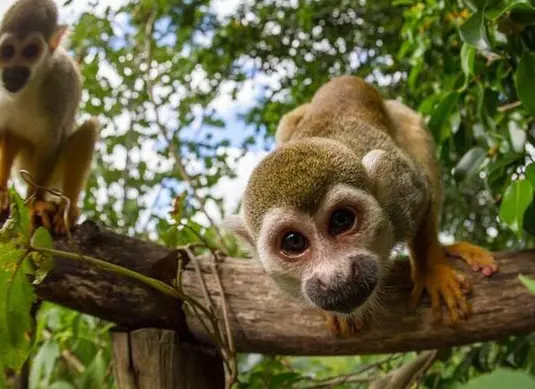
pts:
[351, 176]
[40, 92]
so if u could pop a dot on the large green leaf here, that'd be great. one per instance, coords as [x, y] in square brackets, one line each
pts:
[524, 80]
[470, 163]
[494, 12]
[502, 379]
[16, 298]
[474, 31]
[515, 201]
[530, 174]
[44, 262]
[468, 55]
[441, 115]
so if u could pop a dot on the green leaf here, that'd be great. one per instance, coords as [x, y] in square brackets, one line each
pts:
[502, 378]
[474, 31]
[44, 262]
[475, 5]
[515, 201]
[469, 164]
[525, 74]
[22, 214]
[43, 363]
[530, 174]
[495, 12]
[16, 298]
[529, 219]
[441, 114]
[468, 54]
[528, 283]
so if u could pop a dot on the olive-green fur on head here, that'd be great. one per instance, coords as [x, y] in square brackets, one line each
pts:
[27, 16]
[298, 175]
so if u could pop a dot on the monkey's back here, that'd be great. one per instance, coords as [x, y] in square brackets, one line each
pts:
[349, 110]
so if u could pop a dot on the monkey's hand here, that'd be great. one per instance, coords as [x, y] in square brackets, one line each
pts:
[443, 283]
[479, 259]
[60, 226]
[41, 213]
[345, 326]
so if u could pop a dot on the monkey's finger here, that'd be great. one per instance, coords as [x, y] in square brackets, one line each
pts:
[457, 293]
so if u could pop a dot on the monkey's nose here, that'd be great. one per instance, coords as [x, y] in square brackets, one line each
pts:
[14, 78]
[344, 292]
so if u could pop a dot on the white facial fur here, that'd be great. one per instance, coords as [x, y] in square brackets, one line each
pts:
[326, 254]
[34, 64]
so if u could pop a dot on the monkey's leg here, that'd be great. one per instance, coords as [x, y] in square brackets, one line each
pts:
[476, 257]
[77, 156]
[43, 165]
[345, 326]
[432, 272]
[9, 148]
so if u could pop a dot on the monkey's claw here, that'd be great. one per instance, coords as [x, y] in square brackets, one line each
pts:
[479, 259]
[40, 214]
[443, 283]
[345, 326]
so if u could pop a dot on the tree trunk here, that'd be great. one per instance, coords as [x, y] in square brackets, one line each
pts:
[154, 358]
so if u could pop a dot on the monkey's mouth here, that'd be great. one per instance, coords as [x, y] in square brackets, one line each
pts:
[345, 294]
[14, 78]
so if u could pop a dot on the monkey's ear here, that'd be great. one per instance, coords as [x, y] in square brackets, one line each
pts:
[235, 225]
[371, 161]
[57, 36]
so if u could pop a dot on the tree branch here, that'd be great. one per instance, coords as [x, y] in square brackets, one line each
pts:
[262, 319]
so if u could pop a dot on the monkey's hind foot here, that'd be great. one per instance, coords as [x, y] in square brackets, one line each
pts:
[479, 259]
[442, 282]
[345, 326]
[41, 213]
[59, 225]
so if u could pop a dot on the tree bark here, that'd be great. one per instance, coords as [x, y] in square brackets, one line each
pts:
[152, 358]
[264, 320]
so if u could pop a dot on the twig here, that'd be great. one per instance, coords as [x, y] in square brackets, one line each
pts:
[405, 375]
[509, 106]
[355, 377]
[70, 358]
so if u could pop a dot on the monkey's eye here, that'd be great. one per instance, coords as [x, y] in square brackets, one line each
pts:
[342, 220]
[293, 243]
[30, 51]
[7, 51]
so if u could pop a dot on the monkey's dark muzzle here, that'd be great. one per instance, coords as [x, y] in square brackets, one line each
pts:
[343, 293]
[14, 78]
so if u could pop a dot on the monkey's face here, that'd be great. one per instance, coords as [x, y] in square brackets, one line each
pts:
[20, 59]
[316, 227]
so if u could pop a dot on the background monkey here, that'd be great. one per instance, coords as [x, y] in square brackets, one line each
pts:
[351, 176]
[39, 96]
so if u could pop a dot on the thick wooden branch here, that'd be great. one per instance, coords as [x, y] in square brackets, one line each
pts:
[266, 321]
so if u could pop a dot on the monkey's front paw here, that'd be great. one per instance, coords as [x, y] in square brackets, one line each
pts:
[41, 213]
[345, 326]
[476, 257]
[60, 226]
[4, 199]
[442, 282]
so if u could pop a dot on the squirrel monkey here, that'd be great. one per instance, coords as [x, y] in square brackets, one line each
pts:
[351, 176]
[40, 91]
